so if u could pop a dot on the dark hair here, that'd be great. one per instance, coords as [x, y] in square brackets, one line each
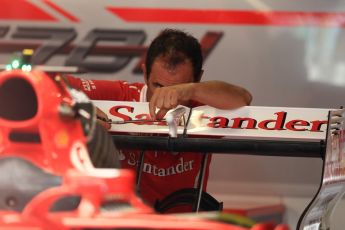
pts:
[176, 46]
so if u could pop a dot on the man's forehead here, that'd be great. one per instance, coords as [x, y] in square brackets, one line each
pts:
[163, 71]
[172, 65]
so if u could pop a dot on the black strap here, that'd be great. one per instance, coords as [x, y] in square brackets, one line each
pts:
[186, 197]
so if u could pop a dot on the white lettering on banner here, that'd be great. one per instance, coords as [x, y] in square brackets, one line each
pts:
[121, 155]
[181, 167]
[88, 85]
[132, 159]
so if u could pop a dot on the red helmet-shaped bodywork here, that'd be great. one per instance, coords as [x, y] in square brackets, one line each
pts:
[34, 125]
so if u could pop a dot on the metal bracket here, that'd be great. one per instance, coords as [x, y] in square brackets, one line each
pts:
[318, 213]
[173, 119]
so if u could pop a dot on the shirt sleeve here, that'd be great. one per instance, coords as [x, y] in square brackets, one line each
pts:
[105, 89]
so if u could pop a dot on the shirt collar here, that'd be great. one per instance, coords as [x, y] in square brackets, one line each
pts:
[143, 94]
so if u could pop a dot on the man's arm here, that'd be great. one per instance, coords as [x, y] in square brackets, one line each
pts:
[217, 94]
[104, 90]
[109, 90]
[221, 95]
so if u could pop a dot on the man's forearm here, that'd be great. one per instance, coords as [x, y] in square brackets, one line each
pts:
[221, 95]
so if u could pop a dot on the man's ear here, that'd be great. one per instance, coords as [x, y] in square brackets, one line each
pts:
[143, 67]
[200, 76]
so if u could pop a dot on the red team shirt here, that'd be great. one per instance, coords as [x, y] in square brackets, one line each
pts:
[163, 172]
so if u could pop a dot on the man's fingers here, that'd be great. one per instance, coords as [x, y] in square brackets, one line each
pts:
[160, 100]
[174, 100]
[167, 99]
[101, 114]
[102, 118]
[152, 106]
[106, 125]
[163, 99]
[161, 113]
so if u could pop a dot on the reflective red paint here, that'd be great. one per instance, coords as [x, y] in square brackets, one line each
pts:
[233, 17]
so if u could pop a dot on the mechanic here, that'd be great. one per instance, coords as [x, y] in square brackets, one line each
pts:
[172, 73]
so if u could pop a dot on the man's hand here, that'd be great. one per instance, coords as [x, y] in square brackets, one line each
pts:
[166, 98]
[102, 118]
[218, 94]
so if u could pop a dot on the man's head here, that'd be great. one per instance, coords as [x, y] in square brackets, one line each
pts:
[174, 57]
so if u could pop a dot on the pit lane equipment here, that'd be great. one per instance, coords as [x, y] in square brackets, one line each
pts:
[45, 128]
